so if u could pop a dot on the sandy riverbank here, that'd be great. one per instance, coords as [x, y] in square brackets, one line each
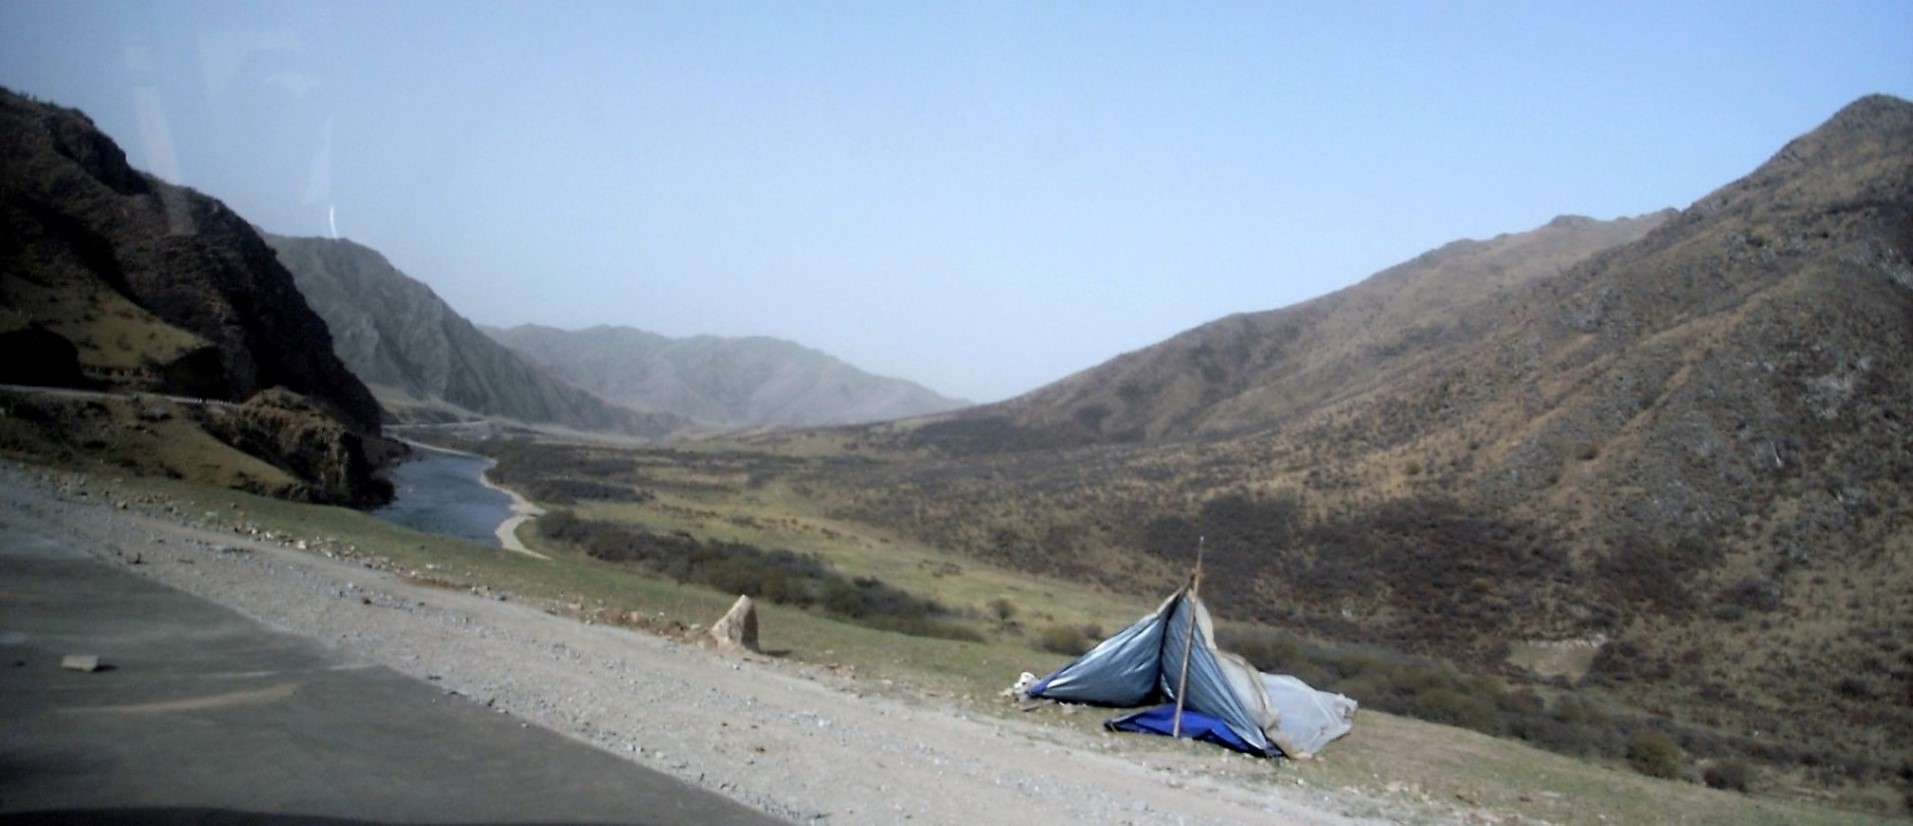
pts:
[522, 511]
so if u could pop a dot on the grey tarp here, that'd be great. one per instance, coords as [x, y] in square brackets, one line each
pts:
[1142, 664]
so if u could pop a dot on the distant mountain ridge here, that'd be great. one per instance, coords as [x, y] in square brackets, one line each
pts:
[413, 348]
[724, 382]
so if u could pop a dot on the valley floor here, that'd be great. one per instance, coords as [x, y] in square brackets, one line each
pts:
[808, 740]
[789, 739]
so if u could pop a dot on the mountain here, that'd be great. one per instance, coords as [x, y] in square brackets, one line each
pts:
[106, 255]
[128, 283]
[727, 382]
[1682, 439]
[1259, 369]
[397, 335]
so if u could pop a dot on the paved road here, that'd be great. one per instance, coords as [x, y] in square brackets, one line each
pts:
[204, 716]
[77, 393]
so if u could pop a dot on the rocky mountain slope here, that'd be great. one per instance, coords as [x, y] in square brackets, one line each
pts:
[1684, 437]
[421, 355]
[1255, 370]
[725, 382]
[126, 282]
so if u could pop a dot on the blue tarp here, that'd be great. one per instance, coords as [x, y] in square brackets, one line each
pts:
[1142, 665]
[1195, 725]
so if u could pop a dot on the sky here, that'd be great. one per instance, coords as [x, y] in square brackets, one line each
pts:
[981, 197]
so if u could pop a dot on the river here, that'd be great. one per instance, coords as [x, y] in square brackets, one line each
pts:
[441, 492]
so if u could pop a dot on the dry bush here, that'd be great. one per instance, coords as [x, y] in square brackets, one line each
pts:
[1655, 755]
[1064, 639]
[1732, 774]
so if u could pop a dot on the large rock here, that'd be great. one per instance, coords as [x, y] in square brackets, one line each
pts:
[738, 629]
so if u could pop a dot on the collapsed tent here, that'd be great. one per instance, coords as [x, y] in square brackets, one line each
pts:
[1225, 699]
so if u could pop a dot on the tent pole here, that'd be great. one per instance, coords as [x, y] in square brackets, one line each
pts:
[1182, 681]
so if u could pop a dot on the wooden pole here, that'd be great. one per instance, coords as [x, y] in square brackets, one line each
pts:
[1189, 645]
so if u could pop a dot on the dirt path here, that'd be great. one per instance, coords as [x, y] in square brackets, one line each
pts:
[789, 739]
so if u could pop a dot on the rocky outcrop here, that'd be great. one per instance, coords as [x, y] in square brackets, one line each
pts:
[291, 433]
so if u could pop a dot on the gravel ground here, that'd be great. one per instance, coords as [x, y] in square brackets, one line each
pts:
[801, 742]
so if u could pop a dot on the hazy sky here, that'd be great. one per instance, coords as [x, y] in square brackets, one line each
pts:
[981, 197]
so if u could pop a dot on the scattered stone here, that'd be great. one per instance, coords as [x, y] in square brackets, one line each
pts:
[80, 662]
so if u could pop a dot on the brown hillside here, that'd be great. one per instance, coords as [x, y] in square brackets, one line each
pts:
[1693, 444]
[111, 279]
[1259, 369]
[111, 258]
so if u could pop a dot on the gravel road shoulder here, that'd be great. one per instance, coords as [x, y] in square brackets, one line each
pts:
[792, 740]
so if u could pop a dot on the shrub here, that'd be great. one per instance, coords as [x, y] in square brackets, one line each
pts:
[1732, 774]
[1063, 639]
[1750, 593]
[1853, 688]
[924, 627]
[1655, 755]
[777, 576]
[1556, 736]
[1455, 708]
[1269, 650]
[1002, 609]
[843, 599]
